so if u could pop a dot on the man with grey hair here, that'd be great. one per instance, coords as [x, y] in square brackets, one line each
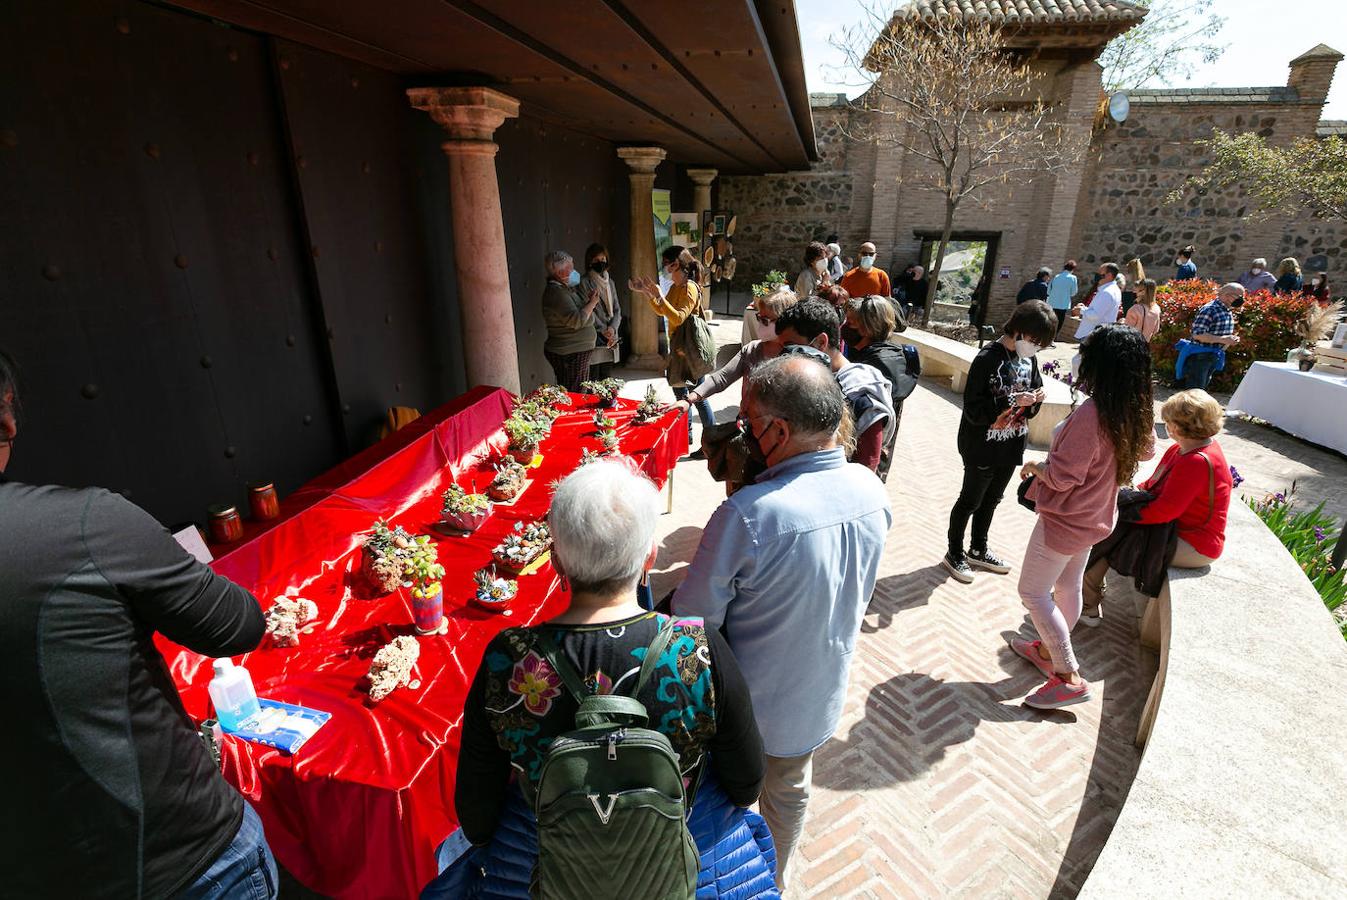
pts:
[1258, 278]
[1213, 331]
[787, 566]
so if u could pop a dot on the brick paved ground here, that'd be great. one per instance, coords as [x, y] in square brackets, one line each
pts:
[939, 782]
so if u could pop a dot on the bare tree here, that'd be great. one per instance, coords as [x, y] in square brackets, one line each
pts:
[948, 91]
[1166, 47]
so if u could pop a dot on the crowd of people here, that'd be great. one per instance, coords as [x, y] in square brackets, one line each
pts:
[744, 672]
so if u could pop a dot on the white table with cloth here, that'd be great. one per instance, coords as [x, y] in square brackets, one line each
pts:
[1311, 405]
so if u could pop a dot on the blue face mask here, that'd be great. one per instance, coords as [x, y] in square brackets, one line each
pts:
[867, 262]
[573, 279]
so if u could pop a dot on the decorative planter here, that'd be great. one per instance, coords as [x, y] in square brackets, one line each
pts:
[523, 456]
[468, 522]
[384, 578]
[494, 593]
[428, 608]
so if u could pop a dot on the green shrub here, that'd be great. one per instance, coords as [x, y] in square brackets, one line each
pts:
[1310, 537]
[1265, 324]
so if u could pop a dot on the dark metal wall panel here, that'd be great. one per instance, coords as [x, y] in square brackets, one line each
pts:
[149, 272]
[354, 137]
[559, 190]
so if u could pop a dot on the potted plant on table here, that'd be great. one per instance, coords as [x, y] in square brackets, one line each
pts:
[651, 408]
[522, 547]
[384, 556]
[608, 438]
[494, 592]
[427, 593]
[603, 422]
[552, 395]
[464, 510]
[606, 390]
[525, 436]
[509, 481]
[1315, 326]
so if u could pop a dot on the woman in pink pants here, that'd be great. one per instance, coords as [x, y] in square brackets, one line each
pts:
[1094, 451]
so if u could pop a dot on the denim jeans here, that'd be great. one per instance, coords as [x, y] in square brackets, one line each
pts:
[704, 411]
[1197, 370]
[246, 870]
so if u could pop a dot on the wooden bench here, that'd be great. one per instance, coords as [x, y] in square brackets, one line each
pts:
[943, 357]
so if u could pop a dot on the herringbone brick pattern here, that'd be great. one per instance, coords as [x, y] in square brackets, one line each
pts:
[939, 782]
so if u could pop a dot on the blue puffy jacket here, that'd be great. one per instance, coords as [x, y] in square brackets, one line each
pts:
[737, 855]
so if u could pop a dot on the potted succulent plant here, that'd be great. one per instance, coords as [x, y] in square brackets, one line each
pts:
[603, 422]
[553, 395]
[522, 547]
[509, 480]
[525, 436]
[588, 456]
[535, 411]
[427, 593]
[464, 510]
[384, 556]
[494, 592]
[606, 390]
[651, 408]
[608, 438]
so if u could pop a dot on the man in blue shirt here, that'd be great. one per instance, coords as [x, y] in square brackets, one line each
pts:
[1214, 330]
[787, 565]
[1062, 291]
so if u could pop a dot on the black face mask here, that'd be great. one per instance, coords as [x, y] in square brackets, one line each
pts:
[599, 265]
[1236, 304]
[851, 336]
[1097, 278]
[752, 444]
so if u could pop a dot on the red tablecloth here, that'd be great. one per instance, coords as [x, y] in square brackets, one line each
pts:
[359, 810]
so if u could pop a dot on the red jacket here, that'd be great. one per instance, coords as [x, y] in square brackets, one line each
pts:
[1184, 495]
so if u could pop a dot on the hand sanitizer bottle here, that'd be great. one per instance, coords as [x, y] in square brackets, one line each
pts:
[231, 690]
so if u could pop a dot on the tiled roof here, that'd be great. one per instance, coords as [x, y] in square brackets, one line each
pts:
[1332, 127]
[818, 100]
[1279, 94]
[1024, 12]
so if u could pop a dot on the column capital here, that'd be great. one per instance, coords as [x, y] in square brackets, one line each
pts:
[642, 160]
[466, 113]
[703, 177]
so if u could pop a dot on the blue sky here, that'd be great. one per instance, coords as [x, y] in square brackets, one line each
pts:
[1260, 44]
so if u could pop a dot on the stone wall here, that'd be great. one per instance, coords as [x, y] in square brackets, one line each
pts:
[1137, 164]
[1110, 206]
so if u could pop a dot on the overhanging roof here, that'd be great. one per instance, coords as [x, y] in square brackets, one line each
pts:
[716, 83]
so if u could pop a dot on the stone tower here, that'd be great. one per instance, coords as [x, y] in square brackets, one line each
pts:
[1312, 73]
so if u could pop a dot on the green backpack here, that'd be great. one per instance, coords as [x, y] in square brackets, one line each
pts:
[610, 801]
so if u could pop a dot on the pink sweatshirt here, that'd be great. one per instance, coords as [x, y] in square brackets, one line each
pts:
[1077, 494]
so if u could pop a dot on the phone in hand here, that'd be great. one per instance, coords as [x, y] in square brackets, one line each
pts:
[1161, 431]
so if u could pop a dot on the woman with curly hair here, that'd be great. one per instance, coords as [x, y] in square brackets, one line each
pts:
[1094, 451]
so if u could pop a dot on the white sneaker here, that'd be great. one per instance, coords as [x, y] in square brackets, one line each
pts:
[1091, 621]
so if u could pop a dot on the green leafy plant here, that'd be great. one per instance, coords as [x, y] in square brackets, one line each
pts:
[605, 390]
[459, 502]
[1268, 326]
[770, 282]
[551, 394]
[651, 408]
[524, 433]
[423, 567]
[1309, 536]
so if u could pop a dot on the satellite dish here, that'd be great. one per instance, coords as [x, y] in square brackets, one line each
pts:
[1118, 107]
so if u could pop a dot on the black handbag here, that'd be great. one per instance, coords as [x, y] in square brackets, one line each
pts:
[1022, 494]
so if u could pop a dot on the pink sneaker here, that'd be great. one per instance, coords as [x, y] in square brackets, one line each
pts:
[1058, 693]
[1029, 651]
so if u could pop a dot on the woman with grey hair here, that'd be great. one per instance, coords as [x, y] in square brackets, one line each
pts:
[569, 318]
[603, 520]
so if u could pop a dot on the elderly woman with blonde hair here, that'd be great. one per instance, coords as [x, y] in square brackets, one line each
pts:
[1191, 487]
[1289, 280]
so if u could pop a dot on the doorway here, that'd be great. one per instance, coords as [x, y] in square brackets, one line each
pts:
[966, 275]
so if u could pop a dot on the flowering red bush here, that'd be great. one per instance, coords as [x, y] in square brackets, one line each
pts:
[1265, 325]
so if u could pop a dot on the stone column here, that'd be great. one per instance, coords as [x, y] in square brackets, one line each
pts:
[641, 247]
[471, 116]
[701, 190]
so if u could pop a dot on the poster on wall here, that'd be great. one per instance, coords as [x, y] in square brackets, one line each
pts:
[687, 229]
[663, 224]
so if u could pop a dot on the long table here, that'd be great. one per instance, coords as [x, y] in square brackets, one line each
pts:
[359, 810]
[1311, 405]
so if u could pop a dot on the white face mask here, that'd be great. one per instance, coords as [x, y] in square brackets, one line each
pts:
[1315, 282]
[821, 264]
[1025, 349]
[767, 332]
[867, 262]
[1256, 270]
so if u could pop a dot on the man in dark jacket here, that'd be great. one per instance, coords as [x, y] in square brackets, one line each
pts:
[1036, 289]
[871, 322]
[110, 790]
